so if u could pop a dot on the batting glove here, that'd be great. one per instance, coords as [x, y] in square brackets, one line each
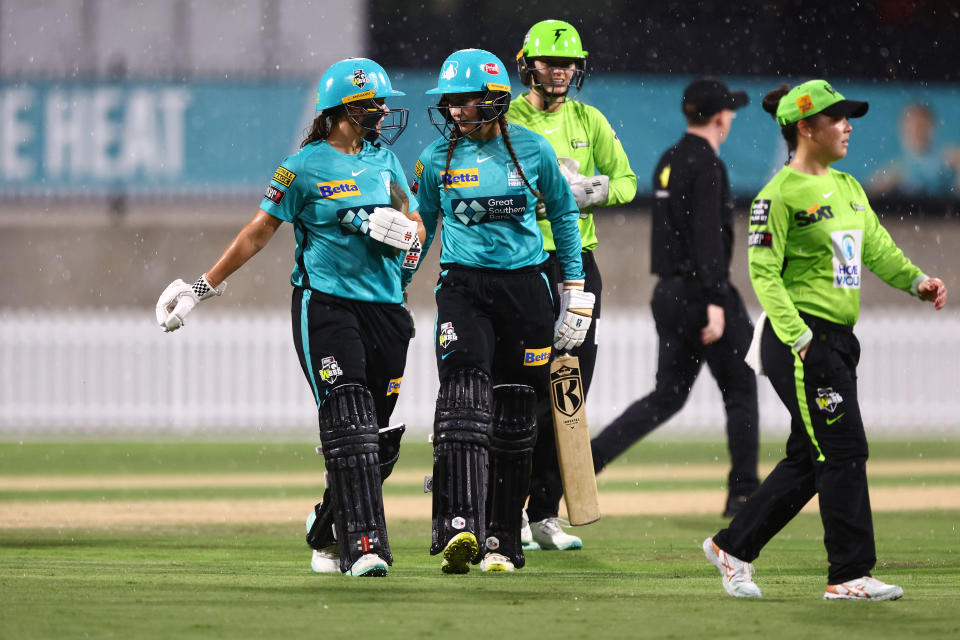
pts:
[591, 191]
[389, 226]
[576, 312]
[179, 299]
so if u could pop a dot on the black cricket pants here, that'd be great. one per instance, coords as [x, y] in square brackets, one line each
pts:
[498, 321]
[680, 313]
[546, 485]
[826, 454]
[342, 341]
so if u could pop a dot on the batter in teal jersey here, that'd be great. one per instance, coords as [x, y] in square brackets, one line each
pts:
[356, 227]
[495, 316]
[812, 232]
[552, 63]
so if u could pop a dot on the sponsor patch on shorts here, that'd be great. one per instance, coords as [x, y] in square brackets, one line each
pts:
[284, 176]
[760, 212]
[536, 357]
[760, 239]
[274, 195]
[393, 387]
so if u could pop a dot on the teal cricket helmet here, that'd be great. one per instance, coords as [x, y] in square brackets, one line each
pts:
[472, 71]
[352, 80]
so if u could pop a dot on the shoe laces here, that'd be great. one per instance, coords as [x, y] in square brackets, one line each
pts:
[552, 525]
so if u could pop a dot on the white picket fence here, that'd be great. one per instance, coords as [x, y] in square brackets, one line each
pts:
[116, 374]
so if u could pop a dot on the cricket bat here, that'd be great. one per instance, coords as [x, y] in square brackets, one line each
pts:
[573, 440]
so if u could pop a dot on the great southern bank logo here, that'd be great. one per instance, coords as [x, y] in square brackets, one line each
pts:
[846, 258]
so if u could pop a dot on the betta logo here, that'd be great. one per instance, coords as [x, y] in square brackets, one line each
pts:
[492, 68]
[393, 387]
[536, 357]
[460, 178]
[338, 189]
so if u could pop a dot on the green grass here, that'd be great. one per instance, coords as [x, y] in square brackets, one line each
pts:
[637, 576]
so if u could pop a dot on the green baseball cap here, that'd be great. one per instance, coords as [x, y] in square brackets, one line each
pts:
[816, 96]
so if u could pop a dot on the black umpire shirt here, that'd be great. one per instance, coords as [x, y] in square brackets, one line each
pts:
[692, 232]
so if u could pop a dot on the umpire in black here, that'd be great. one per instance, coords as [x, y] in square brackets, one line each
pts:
[698, 312]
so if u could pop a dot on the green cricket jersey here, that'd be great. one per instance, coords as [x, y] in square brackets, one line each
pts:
[580, 131]
[810, 237]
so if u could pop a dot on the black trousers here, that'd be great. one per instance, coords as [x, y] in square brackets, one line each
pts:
[340, 341]
[500, 322]
[826, 454]
[680, 314]
[546, 486]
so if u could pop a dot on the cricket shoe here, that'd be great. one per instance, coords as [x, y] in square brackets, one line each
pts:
[326, 560]
[496, 562]
[737, 574]
[369, 565]
[548, 534]
[526, 535]
[865, 588]
[459, 552]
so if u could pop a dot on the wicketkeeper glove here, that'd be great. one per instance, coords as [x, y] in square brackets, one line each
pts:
[587, 190]
[576, 312]
[389, 226]
[179, 299]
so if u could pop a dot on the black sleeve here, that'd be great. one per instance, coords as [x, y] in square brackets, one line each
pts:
[708, 231]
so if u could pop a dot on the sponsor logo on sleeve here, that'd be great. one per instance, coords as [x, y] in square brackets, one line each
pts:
[760, 212]
[284, 176]
[536, 357]
[846, 258]
[414, 187]
[760, 239]
[471, 211]
[273, 194]
[338, 189]
[460, 178]
[418, 170]
[393, 387]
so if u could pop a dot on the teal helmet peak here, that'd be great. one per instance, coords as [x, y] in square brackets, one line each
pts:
[352, 80]
[472, 70]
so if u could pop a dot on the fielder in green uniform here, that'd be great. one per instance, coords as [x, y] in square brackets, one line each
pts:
[812, 232]
[551, 63]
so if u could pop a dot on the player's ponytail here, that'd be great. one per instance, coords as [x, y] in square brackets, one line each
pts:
[502, 122]
[322, 125]
[771, 102]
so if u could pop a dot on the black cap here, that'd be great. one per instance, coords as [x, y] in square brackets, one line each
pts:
[706, 96]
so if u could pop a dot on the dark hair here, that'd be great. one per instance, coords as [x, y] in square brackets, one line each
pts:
[696, 118]
[789, 131]
[323, 124]
[502, 122]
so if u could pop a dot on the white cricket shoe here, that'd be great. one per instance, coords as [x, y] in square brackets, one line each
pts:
[459, 552]
[865, 588]
[326, 560]
[496, 562]
[368, 565]
[526, 535]
[548, 534]
[737, 574]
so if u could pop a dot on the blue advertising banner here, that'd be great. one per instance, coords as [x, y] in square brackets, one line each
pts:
[215, 138]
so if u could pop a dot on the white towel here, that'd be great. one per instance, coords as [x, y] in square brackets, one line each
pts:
[753, 353]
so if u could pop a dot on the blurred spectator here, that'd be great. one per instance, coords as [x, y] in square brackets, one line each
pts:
[924, 167]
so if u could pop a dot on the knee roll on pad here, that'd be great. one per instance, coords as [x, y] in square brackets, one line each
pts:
[460, 439]
[348, 433]
[513, 437]
[321, 533]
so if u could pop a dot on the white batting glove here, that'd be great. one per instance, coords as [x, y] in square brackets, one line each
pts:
[179, 299]
[576, 313]
[570, 169]
[591, 191]
[389, 226]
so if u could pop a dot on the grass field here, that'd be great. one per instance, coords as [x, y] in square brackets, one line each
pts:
[110, 540]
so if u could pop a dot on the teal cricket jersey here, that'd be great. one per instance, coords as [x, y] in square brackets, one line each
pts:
[328, 196]
[489, 215]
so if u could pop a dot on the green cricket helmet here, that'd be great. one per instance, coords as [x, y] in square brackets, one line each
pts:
[470, 71]
[552, 39]
[362, 85]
